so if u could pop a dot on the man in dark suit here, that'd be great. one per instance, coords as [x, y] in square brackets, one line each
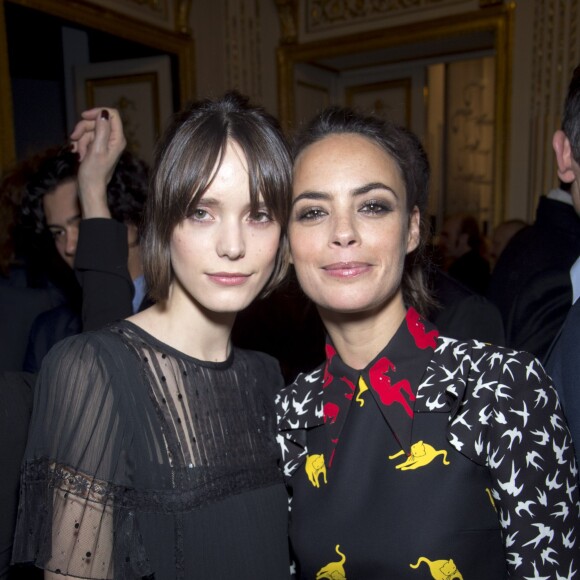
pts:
[563, 359]
[530, 283]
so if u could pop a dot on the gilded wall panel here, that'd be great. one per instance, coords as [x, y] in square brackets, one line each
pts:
[556, 50]
[243, 47]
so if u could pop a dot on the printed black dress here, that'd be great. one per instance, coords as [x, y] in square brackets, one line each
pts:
[442, 459]
[144, 462]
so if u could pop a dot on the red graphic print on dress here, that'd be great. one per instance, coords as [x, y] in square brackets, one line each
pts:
[389, 393]
[331, 411]
[417, 329]
[330, 352]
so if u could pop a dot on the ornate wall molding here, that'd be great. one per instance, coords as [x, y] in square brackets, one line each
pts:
[243, 47]
[288, 16]
[167, 14]
[321, 15]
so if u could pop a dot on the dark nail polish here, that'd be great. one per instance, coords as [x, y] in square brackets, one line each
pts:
[105, 114]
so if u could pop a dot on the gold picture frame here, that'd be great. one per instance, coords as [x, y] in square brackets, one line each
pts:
[140, 89]
[387, 99]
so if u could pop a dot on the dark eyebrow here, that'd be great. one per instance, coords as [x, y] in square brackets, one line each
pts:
[70, 220]
[374, 185]
[357, 191]
[207, 200]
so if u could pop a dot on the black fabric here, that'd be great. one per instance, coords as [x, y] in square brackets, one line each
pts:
[151, 462]
[16, 393]
[464, 314]
[20, 304]
[530, 283]
[101, 267]
[563, 365]
[48, 328]
[472, 270]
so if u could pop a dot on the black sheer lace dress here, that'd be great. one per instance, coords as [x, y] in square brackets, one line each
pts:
[144, 462]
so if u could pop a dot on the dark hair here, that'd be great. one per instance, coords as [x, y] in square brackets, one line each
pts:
[58, 166]
[13, 242]
[406, 150]
[126, 192]
[571, 117]
[186, 161]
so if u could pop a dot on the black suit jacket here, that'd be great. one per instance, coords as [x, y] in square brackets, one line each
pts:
[563, 365]
[531, 281]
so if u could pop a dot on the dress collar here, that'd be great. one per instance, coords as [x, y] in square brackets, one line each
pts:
[390, 381]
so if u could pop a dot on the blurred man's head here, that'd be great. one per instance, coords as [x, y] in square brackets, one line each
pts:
[566, 141]
[459, 235]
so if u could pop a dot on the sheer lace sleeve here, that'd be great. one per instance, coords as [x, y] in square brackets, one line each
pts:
[74, 517]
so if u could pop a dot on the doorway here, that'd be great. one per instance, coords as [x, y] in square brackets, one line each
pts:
[447, 80]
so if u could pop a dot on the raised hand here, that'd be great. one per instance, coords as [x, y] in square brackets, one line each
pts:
[99, 140]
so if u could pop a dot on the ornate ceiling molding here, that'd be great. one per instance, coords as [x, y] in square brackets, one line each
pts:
[326, 14]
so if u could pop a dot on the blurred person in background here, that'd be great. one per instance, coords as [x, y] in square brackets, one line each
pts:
[460, 247]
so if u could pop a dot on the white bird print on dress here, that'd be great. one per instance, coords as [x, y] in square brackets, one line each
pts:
[542, 397]
[544, 436]
[524, 414]
[513, 434]
[481, 385]
[436, 404]
[449, 376]
[546, 555]
[544, 532]
[444, 342]
[552, 483]
[496, 356]
[510, 485]
[562, 512]
[514, 559]
[500, 417]
[530, 370]
[568, 539]
[507, 368]
[531, 458]
[556, 422]
[299, 406]
[493, 462]
[524, 506]
[559, 451]
[313, 376]
[569, 576]
[499, 394]
[485, 417]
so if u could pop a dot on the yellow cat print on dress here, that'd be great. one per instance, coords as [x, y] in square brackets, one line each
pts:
[421, 454]
[315, 467]
[333, 570]
[362, 387]
[440, 569]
